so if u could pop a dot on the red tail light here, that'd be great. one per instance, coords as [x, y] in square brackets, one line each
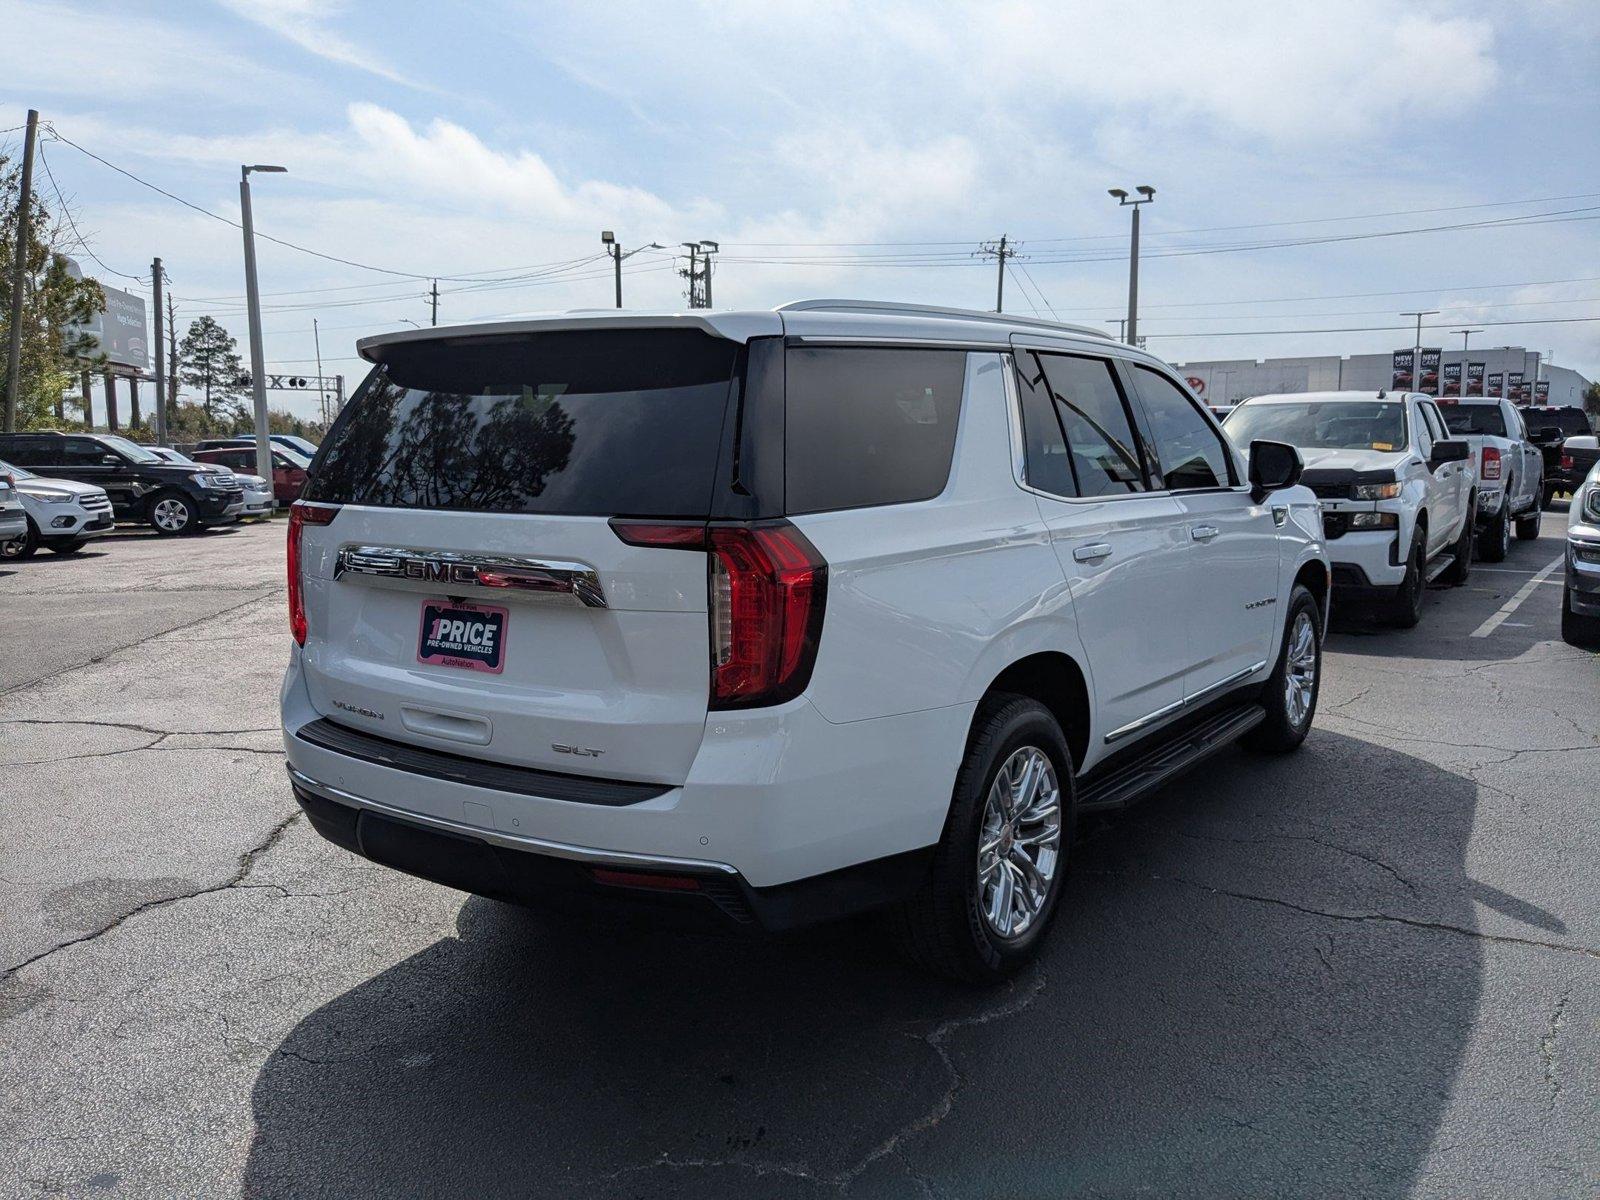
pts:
[302, 514]
[1566, 462]
[766, 592]
[1491, 463]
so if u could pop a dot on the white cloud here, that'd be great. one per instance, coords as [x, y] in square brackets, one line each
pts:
[307, 24]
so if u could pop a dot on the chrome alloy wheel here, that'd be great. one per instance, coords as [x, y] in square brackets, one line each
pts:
[1300, 678]
[1019, 842]
[171, 515]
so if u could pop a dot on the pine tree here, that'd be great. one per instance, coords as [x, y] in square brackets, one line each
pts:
[210, 359]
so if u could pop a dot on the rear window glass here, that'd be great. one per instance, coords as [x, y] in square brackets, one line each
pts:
[1475, 418]
[580, 423]
[869, 426]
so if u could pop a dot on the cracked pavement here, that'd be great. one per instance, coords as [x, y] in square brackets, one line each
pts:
[1371, 968]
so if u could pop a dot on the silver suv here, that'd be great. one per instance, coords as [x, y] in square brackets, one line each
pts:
[767, 617]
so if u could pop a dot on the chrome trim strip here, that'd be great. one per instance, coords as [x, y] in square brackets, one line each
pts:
[547, 577]
[511, 841]
[970, 345]
[1134, 726]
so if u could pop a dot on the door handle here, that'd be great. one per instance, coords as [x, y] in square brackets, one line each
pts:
[1202, 533]
[1092, 553]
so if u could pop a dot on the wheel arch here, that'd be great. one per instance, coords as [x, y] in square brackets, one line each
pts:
[1314, 576]
[1055, 680]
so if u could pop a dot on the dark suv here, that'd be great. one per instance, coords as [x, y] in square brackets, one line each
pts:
[174, 498]
[1549, 425]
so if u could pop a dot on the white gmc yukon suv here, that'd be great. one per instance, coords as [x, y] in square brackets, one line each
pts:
[1399, 497]
[769, 617]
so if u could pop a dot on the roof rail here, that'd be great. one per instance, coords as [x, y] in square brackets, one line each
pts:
[894, 308]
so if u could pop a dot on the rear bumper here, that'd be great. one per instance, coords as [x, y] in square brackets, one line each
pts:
[774, 796]
[579, 879]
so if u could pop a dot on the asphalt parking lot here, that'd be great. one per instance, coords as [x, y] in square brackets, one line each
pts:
[1372, 968]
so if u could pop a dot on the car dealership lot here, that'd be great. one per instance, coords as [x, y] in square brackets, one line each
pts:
[1370, 968]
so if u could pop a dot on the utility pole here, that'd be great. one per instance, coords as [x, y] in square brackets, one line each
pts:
[19, 273]
[161, 368]
[434, 321]
[999, 251]
[322, 392]
[258, 365]
[693, 274]
[1147, 194]
[707, 249]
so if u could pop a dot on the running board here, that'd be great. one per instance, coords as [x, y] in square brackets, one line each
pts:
[1131, 781]
[1440, 565]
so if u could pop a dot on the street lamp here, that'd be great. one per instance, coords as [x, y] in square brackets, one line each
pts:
[258, 378]
[608, 239]
[1146, 194]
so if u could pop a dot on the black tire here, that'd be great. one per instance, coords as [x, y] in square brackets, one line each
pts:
[1528, 525]
[1284, 730]
[1578, 629]
[24, 546]
[65, 547]
[1457, 572]
[944, 927]
[1495, 541]
[1405, 610]
[1547, 497]
[171, 514]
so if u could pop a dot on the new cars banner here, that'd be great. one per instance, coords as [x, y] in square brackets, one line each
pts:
[1428, 371]
[1474, 379]
[1401, 380]
[1514, 386]
[1452, 379]
[1541, 391]
[1497, 384]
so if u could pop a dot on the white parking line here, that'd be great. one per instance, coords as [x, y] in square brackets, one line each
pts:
[1511, 605]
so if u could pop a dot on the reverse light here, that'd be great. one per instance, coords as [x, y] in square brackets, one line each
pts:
[766, 591]
[301, 514]
[1490, 468]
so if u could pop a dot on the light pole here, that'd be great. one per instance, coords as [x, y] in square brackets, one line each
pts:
[618, 254]
[1122, 327]
[1416, 348]
[258, 377]
[1465, 334]
[1146, 194]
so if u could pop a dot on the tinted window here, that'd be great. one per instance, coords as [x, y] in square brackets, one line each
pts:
[1475, 418]
[1101, 450]
[85, 452]
[869, 426]
[1044, 449]
[22, 450]
[587, 422]
[1321, 424]
[1189, 449]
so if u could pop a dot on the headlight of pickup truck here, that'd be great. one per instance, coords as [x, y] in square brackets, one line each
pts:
[210, 480]
[1375, 491]
[1591, 503]
[1374, 520]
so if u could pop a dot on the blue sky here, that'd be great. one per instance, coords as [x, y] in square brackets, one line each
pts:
[839, 148]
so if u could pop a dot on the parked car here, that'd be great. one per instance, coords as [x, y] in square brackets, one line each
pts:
[1578, 456]
[1549, 425]
[1510, 470]
[1398, 494]
[259, 500]
[288, 467]
[172, 497]
[1580, 597]
[13, 518]
[774, 616]
[306, 449]
[59, 514]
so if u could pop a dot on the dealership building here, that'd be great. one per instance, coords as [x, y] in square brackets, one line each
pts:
[1225, 382]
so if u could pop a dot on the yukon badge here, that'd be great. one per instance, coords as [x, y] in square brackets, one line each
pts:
[358, 710]
[1261, 603]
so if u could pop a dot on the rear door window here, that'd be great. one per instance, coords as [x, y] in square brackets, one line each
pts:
[1102, 452]
[868, 425]
[1044, 447]
[584, 422]
[1190, 451]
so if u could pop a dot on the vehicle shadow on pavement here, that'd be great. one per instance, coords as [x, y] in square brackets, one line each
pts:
[1262, 982]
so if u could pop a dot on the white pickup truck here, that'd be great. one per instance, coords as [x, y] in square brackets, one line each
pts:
[1510, 470]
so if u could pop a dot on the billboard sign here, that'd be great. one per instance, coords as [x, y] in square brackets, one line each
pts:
[1452, 379]
[1428, 371]
[1514, 386]
[1497, 385]
[1474, 379]
[120, 328]
[1400, 380]
[1541, 391]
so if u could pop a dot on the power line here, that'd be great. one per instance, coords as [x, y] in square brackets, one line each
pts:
[66, 212]
[1209, 333]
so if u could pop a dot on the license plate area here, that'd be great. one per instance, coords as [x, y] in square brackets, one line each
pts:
[460, 634]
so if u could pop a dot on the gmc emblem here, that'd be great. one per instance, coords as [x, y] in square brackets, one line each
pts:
[436, 570]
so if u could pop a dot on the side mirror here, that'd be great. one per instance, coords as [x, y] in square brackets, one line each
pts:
[1273, 465]
[110, 460]
[1448, 451]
